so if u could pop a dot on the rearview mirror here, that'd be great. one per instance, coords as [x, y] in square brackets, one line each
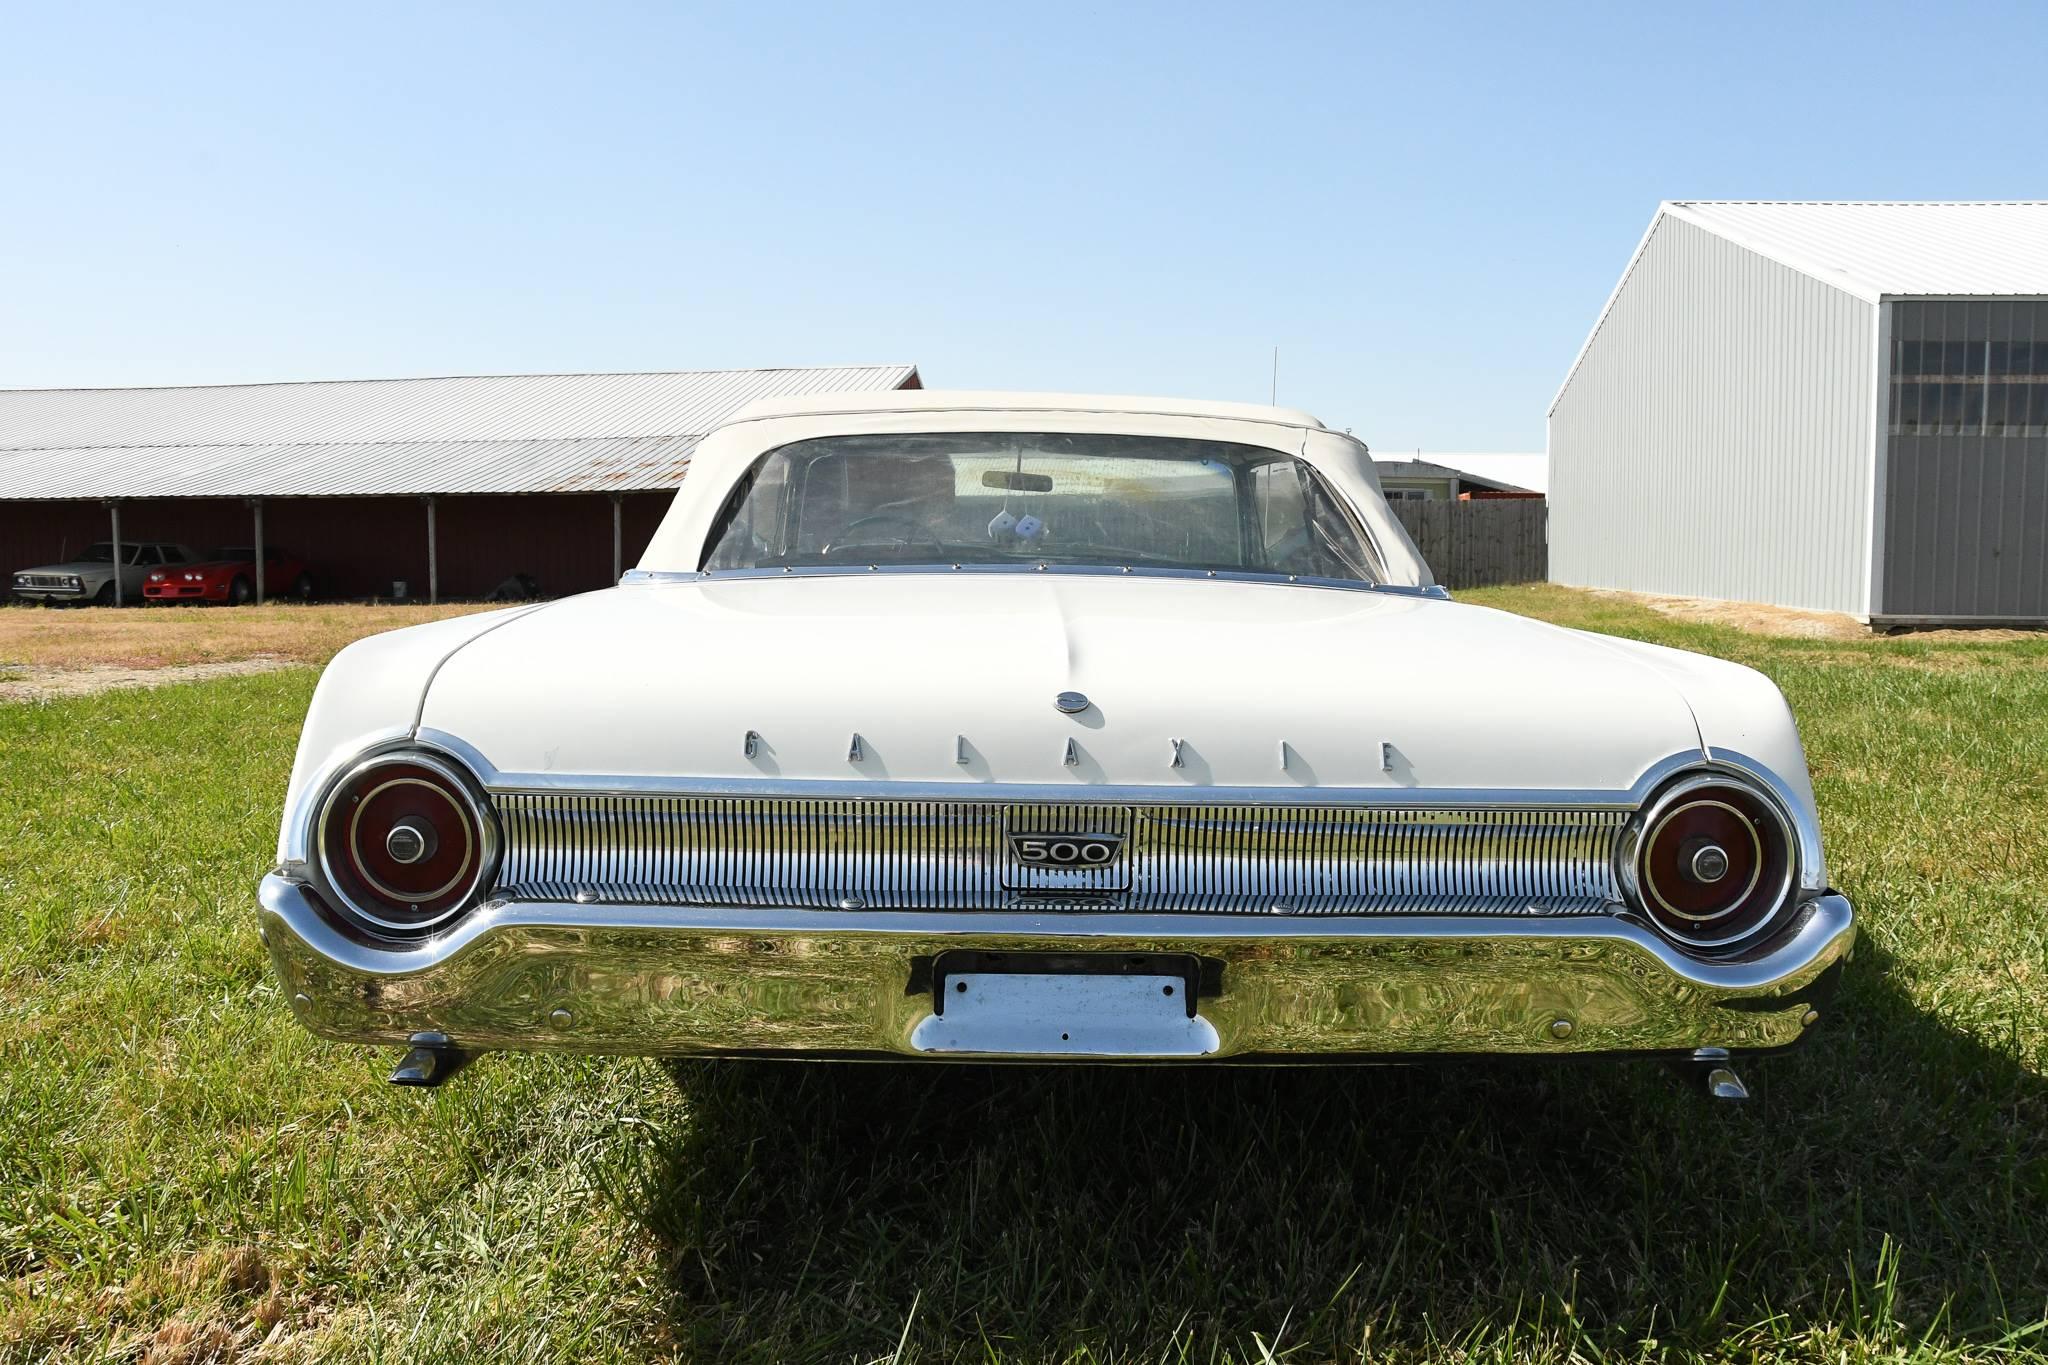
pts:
[1017, 482]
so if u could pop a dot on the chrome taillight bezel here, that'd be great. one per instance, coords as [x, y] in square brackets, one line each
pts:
[1777, 889]
[392, 918]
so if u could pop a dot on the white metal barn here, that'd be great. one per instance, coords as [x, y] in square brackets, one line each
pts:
[1841, 406]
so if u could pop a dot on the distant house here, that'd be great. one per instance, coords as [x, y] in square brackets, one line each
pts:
[1444, 478]
[1839, 406]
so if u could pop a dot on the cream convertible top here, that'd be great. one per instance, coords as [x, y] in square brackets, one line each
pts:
[729, 451]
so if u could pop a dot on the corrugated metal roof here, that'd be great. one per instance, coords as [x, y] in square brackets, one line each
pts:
[353, 438]
[1876, 249]
[1871, 250]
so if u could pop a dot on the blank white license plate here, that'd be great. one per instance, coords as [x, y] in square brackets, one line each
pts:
[1065, 1014]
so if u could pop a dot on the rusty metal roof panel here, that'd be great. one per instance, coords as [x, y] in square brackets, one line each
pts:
[364, 438]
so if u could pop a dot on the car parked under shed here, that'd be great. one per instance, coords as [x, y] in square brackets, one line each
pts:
[447, 486]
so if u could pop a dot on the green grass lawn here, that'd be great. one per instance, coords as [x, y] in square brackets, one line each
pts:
[187, 1176]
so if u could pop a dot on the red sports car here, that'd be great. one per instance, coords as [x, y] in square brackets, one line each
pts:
[230, 576]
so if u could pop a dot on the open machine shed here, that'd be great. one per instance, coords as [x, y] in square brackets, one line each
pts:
[448, 485]
[1840, 406]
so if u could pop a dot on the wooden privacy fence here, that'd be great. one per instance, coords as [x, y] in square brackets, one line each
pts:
[1482, 542]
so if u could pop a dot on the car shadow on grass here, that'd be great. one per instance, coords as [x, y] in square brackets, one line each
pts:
[1888, 1180]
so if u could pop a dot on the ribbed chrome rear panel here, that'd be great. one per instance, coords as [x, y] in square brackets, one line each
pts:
[957, 855]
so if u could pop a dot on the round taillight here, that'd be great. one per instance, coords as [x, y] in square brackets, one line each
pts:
[1712, 861]
[405, 841]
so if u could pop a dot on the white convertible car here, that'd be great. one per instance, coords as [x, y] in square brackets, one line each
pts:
[1006, 726]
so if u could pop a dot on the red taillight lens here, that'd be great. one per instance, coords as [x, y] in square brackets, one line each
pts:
[1713, 861]
[405, 841]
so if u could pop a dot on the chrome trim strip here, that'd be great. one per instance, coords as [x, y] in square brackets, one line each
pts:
[1015, 793]
[1812, 867]
[1435, 592]
[958, 855]
[641, 577]
[794, 981]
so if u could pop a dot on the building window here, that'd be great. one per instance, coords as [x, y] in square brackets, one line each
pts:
[1407, 495]
[1969, 368]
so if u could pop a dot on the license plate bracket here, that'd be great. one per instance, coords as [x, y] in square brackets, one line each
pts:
[1102, 1005]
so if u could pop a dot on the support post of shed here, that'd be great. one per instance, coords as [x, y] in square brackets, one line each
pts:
[433, 557]
[618, 542]
[257, 503]
[120, 593]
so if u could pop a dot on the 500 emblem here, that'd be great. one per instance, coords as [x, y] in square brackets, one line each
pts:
[1066, 850]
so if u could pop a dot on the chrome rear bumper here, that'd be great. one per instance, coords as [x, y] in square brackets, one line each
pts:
[697, 980]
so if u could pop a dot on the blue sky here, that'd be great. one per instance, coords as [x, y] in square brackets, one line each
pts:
[1422, 206]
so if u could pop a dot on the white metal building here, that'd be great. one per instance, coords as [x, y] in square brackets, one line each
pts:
[1840, 406]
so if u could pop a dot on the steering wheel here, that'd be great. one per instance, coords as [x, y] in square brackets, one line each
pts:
[904, 523]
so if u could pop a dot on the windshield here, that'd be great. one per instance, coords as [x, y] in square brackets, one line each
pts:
[1005, 498]
[102, 553]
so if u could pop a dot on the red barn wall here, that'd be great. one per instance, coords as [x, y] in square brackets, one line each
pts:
[33, 533]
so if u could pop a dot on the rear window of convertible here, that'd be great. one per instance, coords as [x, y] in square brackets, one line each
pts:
[1007, 498]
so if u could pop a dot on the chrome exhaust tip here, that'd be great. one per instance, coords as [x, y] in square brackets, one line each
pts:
[431, 1060]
